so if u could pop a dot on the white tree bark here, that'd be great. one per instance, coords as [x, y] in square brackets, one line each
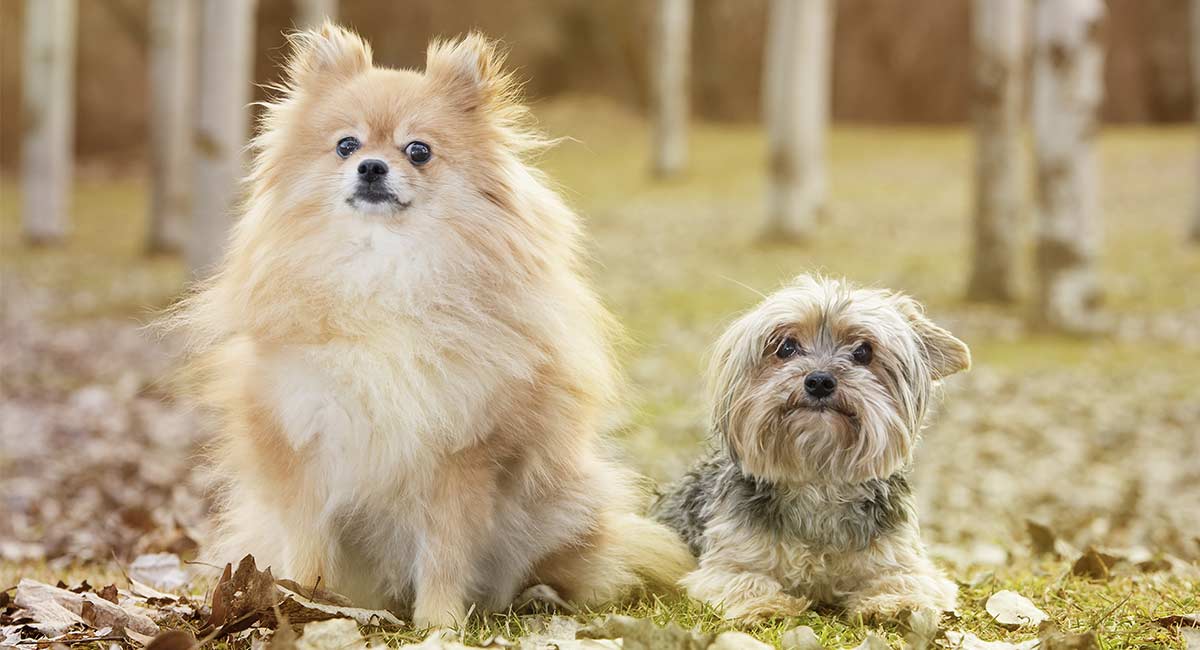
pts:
[796, 98]
[172, 86]
[47, 147]
[226, 48]
[998, 38]
[671, 62]
[1196, 99]
[312, 13]
[1067, 89]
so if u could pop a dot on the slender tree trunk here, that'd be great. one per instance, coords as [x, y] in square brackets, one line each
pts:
[312, 13]
[172, 82]
[796, 97]
[1196, 100]
[672, 54]
[226, 44]
[48, 86]
[998, 37]
[1067, 89]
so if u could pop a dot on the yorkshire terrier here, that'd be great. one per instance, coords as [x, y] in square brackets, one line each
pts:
[819, 395]
[408, 371]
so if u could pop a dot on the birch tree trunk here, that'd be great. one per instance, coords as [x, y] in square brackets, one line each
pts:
[172, 81]
[48, 110]
[1196, 99]
[796, 99]
[1067, 89]
[998, 39]
[671, 57]
[226, 44]
[312, 13]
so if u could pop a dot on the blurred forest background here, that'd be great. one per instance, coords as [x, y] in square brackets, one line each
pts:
[894, 61]
[1028, 170]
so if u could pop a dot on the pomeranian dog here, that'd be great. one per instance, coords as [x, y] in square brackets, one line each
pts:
[819, 394]
[407, 368]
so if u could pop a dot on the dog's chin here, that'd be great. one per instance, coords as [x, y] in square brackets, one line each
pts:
[377, 203]
[824, 410]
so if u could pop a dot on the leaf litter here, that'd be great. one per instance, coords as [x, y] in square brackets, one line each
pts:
[98, 463]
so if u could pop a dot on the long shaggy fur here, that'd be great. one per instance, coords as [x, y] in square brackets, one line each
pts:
[407, 395]
[806, 498]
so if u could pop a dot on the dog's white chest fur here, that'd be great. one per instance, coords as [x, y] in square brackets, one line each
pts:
[378, 405]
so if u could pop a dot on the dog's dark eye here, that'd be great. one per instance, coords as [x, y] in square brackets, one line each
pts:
[787, 348]
[418, 152]
[863, 353]
[347, 146]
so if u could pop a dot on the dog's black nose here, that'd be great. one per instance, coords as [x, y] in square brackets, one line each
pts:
[820, 384]
[371, 170]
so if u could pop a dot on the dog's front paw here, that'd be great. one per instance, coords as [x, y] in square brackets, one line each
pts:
[438, 616]
[888, 597]
[763, 608]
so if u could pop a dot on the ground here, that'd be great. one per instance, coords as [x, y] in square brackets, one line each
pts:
[1096, 439]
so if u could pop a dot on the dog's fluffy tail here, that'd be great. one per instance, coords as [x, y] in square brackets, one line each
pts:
[652, 551]
[624, 556]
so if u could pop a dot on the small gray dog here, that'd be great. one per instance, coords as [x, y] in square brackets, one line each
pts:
[819, 394]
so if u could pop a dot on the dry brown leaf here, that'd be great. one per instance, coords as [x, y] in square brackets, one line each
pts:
[1013, 610]
[48, 604]
[1094, 564]
[174, 640]
[1041, 537]
[284, 637]
[1180, 620]
[242, 595]
[300, 611]
[109, 593]
[316, 593]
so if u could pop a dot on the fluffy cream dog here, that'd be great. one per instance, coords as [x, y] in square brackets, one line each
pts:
[408, 370]
[819, 395]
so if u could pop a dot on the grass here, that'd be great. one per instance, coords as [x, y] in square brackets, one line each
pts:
[1122, 610]
[675, 259]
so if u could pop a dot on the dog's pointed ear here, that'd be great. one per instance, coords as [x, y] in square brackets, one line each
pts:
[471, 69]
[945, 352]
[328, 52]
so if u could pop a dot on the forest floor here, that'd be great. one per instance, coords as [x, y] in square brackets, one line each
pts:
[1095, 441]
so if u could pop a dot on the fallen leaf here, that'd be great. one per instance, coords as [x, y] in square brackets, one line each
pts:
[1094, 564]
[174, 640]
[241, 595]
[642, 633]
[300, 610]
[284, 637]
[109, 593]
[1011, 609]
[1041, 537]
[48, 604]
[739, 641]
[1054, 639]
[316, 593]
[872, 642]
[1180, 620]
[160, 570]
[334, 634]
[800, 638]
[967, 641]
